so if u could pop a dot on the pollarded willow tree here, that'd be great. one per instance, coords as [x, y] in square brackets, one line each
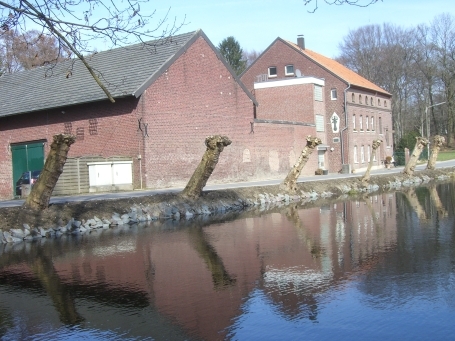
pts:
[78, 25]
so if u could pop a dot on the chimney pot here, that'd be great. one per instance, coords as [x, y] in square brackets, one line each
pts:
[301, 41]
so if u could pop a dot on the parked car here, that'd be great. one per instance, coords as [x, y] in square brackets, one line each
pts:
[25, 180]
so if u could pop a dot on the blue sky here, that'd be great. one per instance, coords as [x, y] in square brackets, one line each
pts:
[255, 24]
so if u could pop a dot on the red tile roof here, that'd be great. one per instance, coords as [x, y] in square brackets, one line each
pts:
[339, 70]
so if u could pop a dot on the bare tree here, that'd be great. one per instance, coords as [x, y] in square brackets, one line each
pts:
[359, 3]
[250, 56]
[29, 50]
[77, 24]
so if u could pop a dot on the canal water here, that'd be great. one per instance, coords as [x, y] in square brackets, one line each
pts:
[380, 267]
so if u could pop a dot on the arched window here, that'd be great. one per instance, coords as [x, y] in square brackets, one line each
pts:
[366, 123]
[353, 122]
[361, 122]
[379, 102]
[353, 98]
[366, 100]
[371, 101]
[385, 104]
[360, 99]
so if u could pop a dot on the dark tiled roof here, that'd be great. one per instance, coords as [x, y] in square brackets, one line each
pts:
[126, 71]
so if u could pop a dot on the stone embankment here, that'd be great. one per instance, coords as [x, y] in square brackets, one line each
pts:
[19, 224]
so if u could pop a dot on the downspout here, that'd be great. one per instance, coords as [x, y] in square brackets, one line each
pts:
[345, 122]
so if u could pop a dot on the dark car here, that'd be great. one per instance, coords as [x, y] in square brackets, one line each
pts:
[25, 180]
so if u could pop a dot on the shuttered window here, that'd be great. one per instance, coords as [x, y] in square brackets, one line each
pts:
[318, 93]
[319, 123]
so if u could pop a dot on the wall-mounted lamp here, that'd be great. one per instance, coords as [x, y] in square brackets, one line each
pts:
[332, 149]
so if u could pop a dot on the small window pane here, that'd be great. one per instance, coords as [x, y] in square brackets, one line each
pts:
[272, 71]
[289, 70]
[333, 94]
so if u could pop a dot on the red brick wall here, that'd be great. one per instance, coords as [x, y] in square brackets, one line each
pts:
[289, 103]
[102, 128]
[197, 97]
[280, 54]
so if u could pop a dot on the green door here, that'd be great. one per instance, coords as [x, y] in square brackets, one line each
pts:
[26, 157]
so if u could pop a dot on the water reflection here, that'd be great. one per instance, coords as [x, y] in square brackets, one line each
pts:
[322, 271]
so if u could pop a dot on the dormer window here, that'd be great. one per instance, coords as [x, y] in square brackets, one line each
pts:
[333, 94]
[272, 72]
[289, 70]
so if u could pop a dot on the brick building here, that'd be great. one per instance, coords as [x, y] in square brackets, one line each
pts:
[169, 95]
[354, 113]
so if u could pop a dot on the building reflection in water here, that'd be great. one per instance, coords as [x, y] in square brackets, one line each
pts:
[194, 279]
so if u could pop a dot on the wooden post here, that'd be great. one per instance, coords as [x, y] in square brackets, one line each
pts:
[215, 145]
[290, 182]
[375, 146]
[421, 142]
[42, 190]
[438, 141]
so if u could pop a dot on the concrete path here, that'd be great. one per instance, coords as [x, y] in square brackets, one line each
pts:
[141, 193]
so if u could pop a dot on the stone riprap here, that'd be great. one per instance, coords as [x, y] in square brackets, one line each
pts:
[212, 203]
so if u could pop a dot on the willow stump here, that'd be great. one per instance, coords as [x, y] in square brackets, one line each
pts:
[421, 143]
[438, 141]
[215, 145]
[290, 182]
[42, 190]
[366, 177]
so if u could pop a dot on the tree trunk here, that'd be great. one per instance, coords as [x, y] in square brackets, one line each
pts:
[438, 141]
[290, 182]
[375, 146]
[421, 143]
[215, 145]
[41, 191]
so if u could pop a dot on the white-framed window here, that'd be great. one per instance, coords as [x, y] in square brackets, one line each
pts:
[371, 101]
[362, 154]
[366, 100]
[333, 94]
[368, 153]
[385, 104]
[272, 71]
[289, 70]
[320, 123]
[318, 93]
[353, 98]
[379, 102]
[360, 99]
[372, 123]
[353, 122]
[361, 122]
[355, 155]
[366, 122]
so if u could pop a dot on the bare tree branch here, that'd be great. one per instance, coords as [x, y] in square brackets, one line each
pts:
[358, 3]
[77, 24]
